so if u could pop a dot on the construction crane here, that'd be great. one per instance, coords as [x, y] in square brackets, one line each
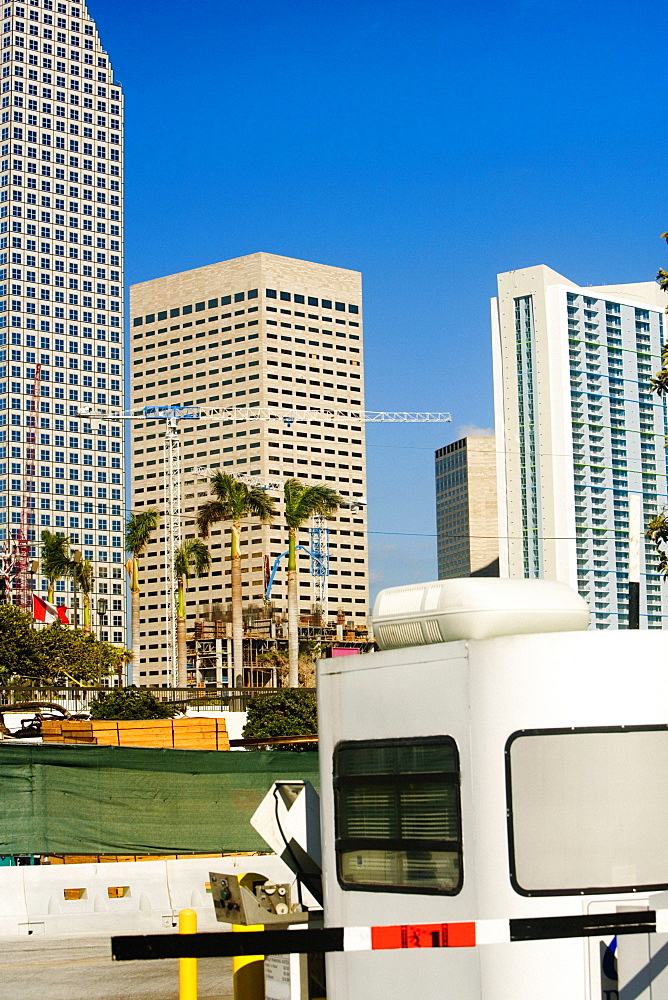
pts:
[172, 415]
[15, 563]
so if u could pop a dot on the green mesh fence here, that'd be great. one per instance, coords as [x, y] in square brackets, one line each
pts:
[126, 800]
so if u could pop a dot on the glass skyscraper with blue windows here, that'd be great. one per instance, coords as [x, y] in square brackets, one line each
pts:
[61, 305]
[579, 431]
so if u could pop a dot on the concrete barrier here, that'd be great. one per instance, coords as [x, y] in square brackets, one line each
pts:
[119, 897]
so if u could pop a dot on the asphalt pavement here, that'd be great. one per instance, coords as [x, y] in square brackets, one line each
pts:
[80, 968]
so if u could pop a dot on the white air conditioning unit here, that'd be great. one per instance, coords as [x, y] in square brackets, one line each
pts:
[474, 608]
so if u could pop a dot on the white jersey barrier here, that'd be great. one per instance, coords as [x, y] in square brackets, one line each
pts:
[118, 897]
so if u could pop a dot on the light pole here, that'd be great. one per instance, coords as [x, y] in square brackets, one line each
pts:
[101, 610]
[34, 566]
[76, 559]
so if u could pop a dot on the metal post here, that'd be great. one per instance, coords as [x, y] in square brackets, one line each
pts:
[635, 532]
[172, 526]
[187, 966]
[248, 970]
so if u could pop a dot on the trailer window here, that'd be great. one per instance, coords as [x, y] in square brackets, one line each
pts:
[588, 810]
[398, 824]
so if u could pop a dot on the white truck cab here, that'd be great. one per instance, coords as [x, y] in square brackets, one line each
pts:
[496, 759]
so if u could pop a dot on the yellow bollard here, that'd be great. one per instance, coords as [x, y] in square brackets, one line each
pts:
[187, 966]
[248, 970]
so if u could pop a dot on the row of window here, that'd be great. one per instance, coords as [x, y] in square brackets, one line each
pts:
[226, 300]
[59, 81]
[61, 8]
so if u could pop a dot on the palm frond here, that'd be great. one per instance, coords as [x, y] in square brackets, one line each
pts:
[192, 558]
[210, 513]
[302, 502]
[55, 556]
[233, 501]
[138, 530]
[83, 576]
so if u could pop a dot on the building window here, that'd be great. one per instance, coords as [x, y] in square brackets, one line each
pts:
[587, 810]
[398, 817]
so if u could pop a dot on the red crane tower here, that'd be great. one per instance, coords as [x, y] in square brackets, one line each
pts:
[19, 544]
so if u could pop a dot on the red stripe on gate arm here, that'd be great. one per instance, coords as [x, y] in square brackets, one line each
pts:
[456, 935]
[461, 935]
[386, 937]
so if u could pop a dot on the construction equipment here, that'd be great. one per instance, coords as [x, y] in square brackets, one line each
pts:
[171, 415]
[15, 564]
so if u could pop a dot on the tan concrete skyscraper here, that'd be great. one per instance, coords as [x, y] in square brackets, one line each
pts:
[258, 331]
[466, 508]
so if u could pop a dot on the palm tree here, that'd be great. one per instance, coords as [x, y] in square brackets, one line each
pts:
[81, 572]
[138, 531]
[192, 558]
[56, 563]
[235, 500]
[301, 503]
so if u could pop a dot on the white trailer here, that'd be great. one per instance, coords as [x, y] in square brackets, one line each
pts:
[489, 777]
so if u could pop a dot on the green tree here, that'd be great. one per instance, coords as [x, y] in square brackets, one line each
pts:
[83, 577]
[301, 503]
[234, 501]
[192, 558]
[130, 703]
[55, 560]
[54, 654]
[138, 531]
[292, 712]
[69, 655]
[19, 647]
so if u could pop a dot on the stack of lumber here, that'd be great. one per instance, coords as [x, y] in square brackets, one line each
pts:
[177, 734]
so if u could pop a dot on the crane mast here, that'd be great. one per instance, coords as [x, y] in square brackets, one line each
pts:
[172, 527]
[15, 556]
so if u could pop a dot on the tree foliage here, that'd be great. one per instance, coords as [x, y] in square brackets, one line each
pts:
[292, 712]
[657, 532]
[139, 529]
[130, 703]
[20, 654]
[55, 559]
[234, 501]
[52, 655]
[657, 529]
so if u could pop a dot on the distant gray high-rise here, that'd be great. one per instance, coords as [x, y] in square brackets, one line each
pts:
[61, 304]
[579, 430]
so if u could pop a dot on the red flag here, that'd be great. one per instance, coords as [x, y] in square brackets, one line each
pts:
[43, 611]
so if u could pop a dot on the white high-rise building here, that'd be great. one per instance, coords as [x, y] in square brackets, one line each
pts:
[61, 305]
[578, 431]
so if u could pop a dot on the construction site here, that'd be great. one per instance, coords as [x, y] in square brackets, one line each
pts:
[209, 646]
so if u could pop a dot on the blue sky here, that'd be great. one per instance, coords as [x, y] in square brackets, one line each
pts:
[428, 145]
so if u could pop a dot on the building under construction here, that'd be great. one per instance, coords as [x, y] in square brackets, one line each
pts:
[209, 645]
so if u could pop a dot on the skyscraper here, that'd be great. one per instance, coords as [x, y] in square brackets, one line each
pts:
[466, 510]
[579, 430]
[258, 331]
[61, 305]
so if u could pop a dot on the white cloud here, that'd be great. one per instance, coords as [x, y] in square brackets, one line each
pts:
[472, 430]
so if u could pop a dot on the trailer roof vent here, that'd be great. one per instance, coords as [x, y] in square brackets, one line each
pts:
[469, 608]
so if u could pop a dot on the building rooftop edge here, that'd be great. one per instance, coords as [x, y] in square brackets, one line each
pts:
[259, 255]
